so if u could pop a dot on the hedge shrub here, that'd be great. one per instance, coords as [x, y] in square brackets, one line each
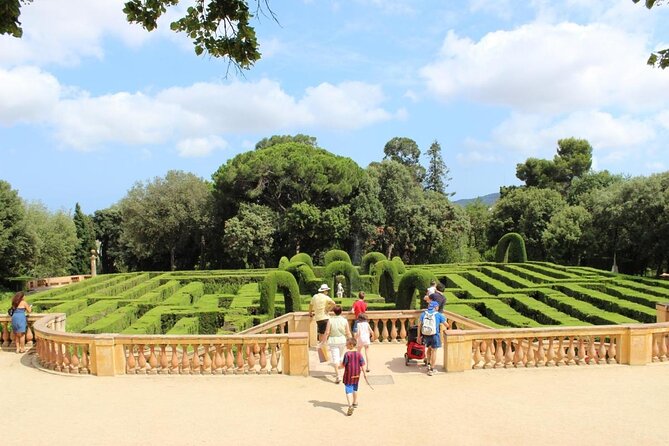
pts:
[336, 255]
[346, 269]
[399, 264]
[412, 280]
[279, 280]
[511, 248]
[385, 279]
[368, 261]
[283, 261]
[302, 257]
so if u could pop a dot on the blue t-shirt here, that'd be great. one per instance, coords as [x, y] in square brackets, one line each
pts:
[439, 319]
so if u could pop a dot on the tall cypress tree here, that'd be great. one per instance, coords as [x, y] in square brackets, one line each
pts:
[437, 178]
[81, 261]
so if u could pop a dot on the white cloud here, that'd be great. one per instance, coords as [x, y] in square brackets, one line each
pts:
[27, 94]
[500, 8]
[64, 31]
[477, 157]
[549, 68]
[656, 166]
[193, 115]
[199, 147]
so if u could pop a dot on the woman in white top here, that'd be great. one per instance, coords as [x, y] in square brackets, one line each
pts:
[364, 336]
[336, 333]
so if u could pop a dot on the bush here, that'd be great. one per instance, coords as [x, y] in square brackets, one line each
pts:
[399, 264]
[511, 248]
[303, 257]
[279, 280]
[283, 261]
[336, 255]
[385, 279]
[414, 279]
[343, 268]
[368, 261]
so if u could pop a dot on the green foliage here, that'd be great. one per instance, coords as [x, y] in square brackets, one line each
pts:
[108, 226]
[437, 179]
[16, 243]
[385, 279]
[405, 151]
[282, 139]
[285, 282]
[565, 236]
[343, 268]
[336, 255]
[55, 239]
[304, 275]
[399, 264]
[249, 235]
[85, 233]
[368, 261]
[511, 248]
[302, 257]
[283, 261]
[414, 280]
[660, 58]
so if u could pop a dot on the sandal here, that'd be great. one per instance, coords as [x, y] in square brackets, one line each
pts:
[349, 412]
[337, 381]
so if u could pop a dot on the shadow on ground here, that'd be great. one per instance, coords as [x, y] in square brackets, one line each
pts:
[337, 407]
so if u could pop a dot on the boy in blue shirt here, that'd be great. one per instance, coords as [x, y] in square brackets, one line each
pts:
[429, 329]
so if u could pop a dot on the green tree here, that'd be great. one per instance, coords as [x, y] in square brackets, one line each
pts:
[565, 235]
[107, 224]
[165, 220]
[437, 178]
[220, 28]
[300, 224]
[589, 183]
[55, 237]
[658, 58]
[16, 242]
[405, 151]
[479, 216]
[526, 211]
[282, 139]
[249, 235]
[81, 259]
[367, 215]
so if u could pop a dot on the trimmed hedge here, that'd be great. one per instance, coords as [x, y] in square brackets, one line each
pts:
[369, 260]
[385, 279]
[542, 313]
[336, 255]
[304, 274]
[414, 279]
[90, 314]
[473, 292]
[601, 300]
[342, 268]
[579, 309]
[279, 280]
[304, 258]
[185, 326]
[511, 248]
[283, 261]
[114, 322]
[498, 311]
[399, 264]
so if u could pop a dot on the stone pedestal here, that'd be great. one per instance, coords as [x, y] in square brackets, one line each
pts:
[296, 355]
[457, 351]
[662, 312]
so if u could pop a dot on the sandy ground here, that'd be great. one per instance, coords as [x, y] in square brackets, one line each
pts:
[596, 405]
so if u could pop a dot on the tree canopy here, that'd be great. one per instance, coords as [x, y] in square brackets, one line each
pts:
[658, 58]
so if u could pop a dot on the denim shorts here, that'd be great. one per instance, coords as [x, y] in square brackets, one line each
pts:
[350, 388]
[432, 341]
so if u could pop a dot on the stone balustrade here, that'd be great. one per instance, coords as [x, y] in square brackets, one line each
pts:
[7, 336]
[556, 346]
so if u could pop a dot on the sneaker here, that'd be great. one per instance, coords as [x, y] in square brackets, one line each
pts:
[430, 372]
[349, 412]
[367, 370]
[355, 405]
[337, 381]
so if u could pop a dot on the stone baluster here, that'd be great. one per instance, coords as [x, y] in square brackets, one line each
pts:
[263, 359]
[11, 338]
[571, 352]
[613, 350]
[59, 356]
[163, 361]
[185, 362]
[141, 360]
[218, 363]
[5, 334]
[376, 331]
[541, 353]
[229, 360]
[240, 359]
[581, 351]
[83, 367]
[65, 367]
[560, 354]
[206, 360]
[518, 356]
[663, 347]
[393, 330]
[531, 361]
[477, 354]
[656, 348]
[51, 356]
[592, 352]
[174, 360]
[403, 330]
[153, 360]
[196, 365]
[256, 351]
[508, 354]
[499, 354]
[29, 335]
[488, 357]
[385, 336]
[74, 358]
[274, 359]
[602, 350]
[250, 359]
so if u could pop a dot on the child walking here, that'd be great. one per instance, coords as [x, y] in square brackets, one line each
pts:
[364, 336]
[352, 365]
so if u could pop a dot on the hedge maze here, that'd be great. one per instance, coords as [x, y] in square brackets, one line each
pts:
[524, 294]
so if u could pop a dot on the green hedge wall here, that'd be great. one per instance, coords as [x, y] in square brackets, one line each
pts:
[412, 280]
[511, 248]
[343, 268]
[336, 255]
[303, 257]
[385, 279]
[368, 261]
[399, 264]
[279, 280]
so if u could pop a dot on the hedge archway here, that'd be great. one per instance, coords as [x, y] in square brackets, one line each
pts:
[336, 255]
[283, 262]
[385, 279]
[302, 257]
[412, 280]
[304, 274]
[399, 264]
[345, 269]
[275, 281]
[511, 249]
[369, 260]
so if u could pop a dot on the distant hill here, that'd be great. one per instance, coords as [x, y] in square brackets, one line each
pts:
[489, 199]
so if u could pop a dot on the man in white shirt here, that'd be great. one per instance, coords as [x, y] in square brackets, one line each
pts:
[319, 307]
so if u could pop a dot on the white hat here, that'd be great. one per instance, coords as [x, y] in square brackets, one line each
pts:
[324, 287]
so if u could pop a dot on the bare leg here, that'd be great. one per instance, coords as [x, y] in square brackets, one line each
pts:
[355, 398]
[17, 341]
[367, 357]
[23, 343]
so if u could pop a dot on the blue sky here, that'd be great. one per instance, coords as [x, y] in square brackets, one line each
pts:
[90, 104]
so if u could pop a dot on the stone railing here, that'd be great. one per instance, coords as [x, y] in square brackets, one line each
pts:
[556, 346]
[7, 336]
[55, 282]
[115, 354]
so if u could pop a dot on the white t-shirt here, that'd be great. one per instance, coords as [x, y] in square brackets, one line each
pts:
[364, 333]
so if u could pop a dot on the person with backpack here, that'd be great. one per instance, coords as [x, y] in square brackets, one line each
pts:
[431, 322]
[438, 296]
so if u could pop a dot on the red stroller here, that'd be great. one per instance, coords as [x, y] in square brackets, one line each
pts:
[415, 350]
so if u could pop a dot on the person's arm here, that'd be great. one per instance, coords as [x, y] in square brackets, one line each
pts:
[418, 337]
[348, 330]
[327, 331]
[311, 307]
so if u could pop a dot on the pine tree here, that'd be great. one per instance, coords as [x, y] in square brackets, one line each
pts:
[86, 241]
[437, 178]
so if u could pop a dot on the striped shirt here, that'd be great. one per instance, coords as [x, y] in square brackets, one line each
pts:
[353, 362]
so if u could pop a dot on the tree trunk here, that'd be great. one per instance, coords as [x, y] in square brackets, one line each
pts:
[173, 265]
